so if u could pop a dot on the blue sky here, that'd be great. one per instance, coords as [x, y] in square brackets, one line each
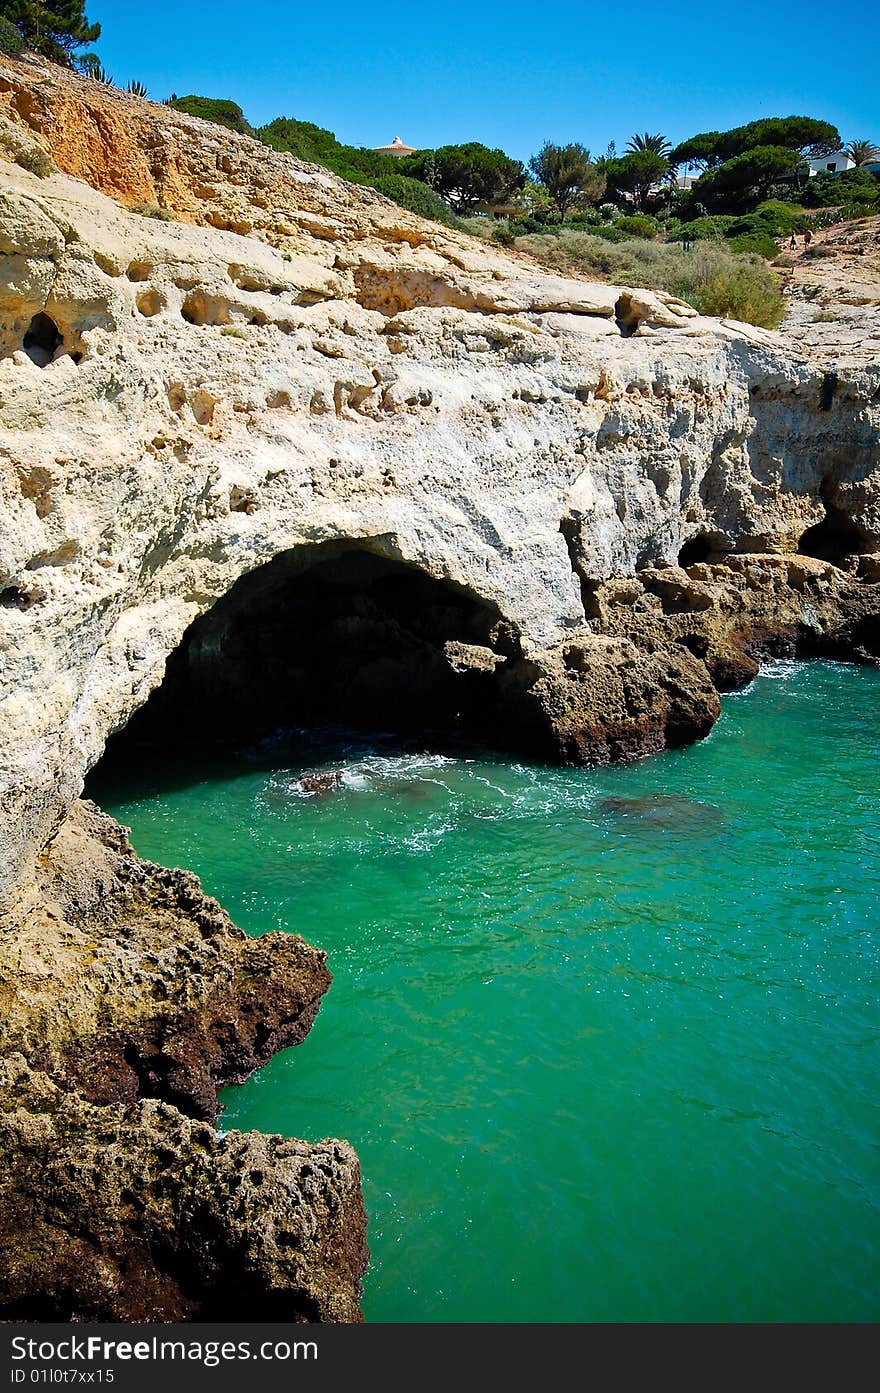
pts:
[509, 74]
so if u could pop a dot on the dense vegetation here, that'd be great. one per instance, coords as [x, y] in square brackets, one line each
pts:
[55, 28]
[217, 109]
[357, 165]
[630, 216]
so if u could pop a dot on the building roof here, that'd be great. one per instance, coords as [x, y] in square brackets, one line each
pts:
[397, 147]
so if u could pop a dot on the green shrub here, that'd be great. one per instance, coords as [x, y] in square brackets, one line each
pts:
[149, 210]
[780, 218]
[502, 234]
[705, 229]
[609, 233]
[35, 161]
[11, 43]
[761, 243]
[413, 195]
[219, 110]
[741, 292]
[639, 225]
[528, 224]
[850, 186]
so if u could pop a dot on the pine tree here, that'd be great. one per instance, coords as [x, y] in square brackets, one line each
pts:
[55, 28]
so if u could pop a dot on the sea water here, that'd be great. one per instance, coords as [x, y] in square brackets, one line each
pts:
[606, 1041]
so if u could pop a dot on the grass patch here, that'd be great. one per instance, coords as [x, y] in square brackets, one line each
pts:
[709, 276]
[34, 160]
[150, 210]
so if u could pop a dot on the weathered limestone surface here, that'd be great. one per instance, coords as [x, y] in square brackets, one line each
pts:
[833, 291]
[296, 364]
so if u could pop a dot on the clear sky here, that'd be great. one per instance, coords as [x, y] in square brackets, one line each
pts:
[508, 74]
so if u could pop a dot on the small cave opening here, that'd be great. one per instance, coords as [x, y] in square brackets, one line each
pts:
[329, 636]
[706, 546]
[42, 340]
[834, 538]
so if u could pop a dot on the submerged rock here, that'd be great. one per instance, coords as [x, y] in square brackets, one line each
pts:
[664, 811]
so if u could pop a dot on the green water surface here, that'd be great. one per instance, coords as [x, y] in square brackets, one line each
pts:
[600, 1061]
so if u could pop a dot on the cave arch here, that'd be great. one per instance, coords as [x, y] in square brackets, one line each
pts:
[332, 634]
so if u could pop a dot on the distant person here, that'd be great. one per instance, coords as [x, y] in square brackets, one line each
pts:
[792, 242]
[808, 237]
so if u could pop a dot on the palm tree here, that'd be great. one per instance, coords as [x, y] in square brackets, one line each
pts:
[657, 144]
[862, 152]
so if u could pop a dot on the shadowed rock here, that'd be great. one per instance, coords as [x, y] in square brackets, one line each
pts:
[665, 811]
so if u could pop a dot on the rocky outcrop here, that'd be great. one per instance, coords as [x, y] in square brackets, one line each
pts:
[128, 1000]
[129, 982]
[142, 1213]
[295, 430]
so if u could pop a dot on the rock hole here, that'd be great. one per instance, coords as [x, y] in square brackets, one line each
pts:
[340, 636]
[42, 340]
[149, 302]
[200, 307]
[828, 390]
[11, 597]
[866, 637]
[626, 317]
[704, 547]
[698, 644]
[140, 270]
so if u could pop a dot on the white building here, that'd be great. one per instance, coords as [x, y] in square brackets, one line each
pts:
[396, 149]
[834, 163]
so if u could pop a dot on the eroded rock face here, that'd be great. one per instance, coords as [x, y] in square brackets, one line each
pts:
[128, 999]
[129, 982]
[141, 1214]
[294, 369]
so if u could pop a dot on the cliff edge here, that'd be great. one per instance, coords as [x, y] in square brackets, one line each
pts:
[271, 448]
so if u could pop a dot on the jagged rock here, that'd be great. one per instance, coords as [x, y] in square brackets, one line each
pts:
[141, 1214]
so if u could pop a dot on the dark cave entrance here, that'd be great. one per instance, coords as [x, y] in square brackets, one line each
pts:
[706, 546]
[324, 636]
[42, 340]
[834, 538]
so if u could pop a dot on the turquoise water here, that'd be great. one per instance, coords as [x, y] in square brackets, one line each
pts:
[601, 1060]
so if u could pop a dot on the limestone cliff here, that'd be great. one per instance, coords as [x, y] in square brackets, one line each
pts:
[472, 480]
